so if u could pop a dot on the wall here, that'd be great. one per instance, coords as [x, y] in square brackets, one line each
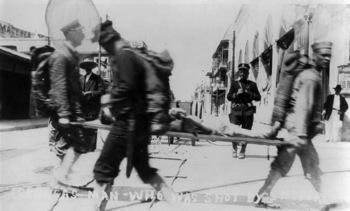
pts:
[253, 21]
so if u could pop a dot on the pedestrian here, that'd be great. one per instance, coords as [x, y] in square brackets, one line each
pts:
[303, 124]
[177, 105]
[66, 95]
[242, 93]
[93, 88]
[333, 111]
[129, 105]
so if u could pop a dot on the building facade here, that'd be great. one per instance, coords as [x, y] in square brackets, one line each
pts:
[261, 34]
[15, 68]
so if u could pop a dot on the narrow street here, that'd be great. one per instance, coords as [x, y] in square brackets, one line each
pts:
[205, 176]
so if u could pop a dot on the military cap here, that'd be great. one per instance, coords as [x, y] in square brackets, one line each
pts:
[74, 25]
[243, 66]
[108, 33]
[321, 45]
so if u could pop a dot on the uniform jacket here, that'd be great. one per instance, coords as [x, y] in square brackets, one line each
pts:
[65, 91]
[128, 89]
[91, 103]
[304, 116]
[328, 105]
[243, 101]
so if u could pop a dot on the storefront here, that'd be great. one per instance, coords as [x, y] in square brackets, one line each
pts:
[14, 85]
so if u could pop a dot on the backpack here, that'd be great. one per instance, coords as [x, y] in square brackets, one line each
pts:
[158, 68]
[293, 63]
[40, 85]
[159, 95]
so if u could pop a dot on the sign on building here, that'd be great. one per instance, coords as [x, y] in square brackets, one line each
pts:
[9, 31]
[138, 44]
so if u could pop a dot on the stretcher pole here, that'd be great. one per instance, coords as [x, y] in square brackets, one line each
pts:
[236, 139]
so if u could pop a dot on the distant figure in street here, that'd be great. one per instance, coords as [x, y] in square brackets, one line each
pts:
[177, 105]
[93, 88]
[242, 93]
[303, 124]
[66, 95]
[333, 111]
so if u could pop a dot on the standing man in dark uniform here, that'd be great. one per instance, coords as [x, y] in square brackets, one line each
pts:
[93, 88]
[242, 93]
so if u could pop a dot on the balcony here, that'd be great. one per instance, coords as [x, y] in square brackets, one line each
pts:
[223, 63]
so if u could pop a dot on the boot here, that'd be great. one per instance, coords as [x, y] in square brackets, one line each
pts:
[270, 182]
[159, 185]
[68, 161]
[264, 200]
[101, 195]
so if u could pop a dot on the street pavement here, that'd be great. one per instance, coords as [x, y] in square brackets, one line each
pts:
[205, 176]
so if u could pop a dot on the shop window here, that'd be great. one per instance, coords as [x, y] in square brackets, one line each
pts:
[256, 45]
[255, 62]
[240, 57]
[255, 67]
[246, 53]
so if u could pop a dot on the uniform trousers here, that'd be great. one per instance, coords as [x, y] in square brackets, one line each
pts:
[107, 166]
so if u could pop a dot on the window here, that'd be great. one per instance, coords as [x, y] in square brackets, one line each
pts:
[255, 62]
[240, 57]
[256, 45]
[246, 53]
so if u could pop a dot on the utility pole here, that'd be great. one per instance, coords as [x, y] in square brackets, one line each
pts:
[308, 18]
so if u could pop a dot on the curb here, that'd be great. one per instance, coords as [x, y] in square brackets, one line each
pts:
[27, 127]
[22, 125]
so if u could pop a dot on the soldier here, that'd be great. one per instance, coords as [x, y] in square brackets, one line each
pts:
[66, 95]
[242, 93]
[132, 124]
[303, 124]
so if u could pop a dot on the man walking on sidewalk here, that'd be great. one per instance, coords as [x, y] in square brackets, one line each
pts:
[303, 124]
[242, 93]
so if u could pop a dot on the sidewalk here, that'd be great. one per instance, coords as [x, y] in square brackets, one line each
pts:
[22, 124]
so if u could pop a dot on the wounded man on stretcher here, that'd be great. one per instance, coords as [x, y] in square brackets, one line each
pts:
[181, 122]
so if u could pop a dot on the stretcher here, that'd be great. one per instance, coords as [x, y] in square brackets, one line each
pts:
[171, 134]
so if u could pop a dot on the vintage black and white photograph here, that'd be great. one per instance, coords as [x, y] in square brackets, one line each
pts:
[174, 105]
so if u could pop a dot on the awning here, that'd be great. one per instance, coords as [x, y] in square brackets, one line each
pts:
[287, 39]
[15, 54]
